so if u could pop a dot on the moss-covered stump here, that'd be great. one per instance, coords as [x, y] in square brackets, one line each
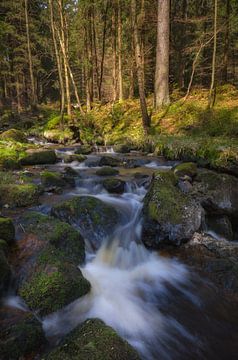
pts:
[169, 216]
[22, 339]
[5, 272]
[39, 158]
[218, 193]
[19, 195]
[52, 180]
[109, 161]
[114, 186]
[53, 283]
[57, 233]
[94, 218]
[7, 229]
[107, 171]
[186, 169]
[14, 135]
[93, 341]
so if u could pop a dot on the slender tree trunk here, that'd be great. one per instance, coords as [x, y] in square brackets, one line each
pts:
[162, 55]
[103, 50]
[33, 90]
[120, 80]
[95, 47]
[18, 93]
[145, 116]
[59, 65]
[114, 56]
[87, 71]
[211, 100]
[227, 43]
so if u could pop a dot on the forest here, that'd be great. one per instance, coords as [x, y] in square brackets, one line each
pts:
[118, 179]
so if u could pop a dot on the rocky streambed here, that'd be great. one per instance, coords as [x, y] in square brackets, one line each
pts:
[117, 256]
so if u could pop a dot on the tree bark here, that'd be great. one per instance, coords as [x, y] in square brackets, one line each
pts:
[114, 56]
[143, 105]
[211, 100]
[227, 43]
[120, 80]
[33, 89]
[162, 55]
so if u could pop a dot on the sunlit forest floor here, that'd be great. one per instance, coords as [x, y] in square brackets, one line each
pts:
[185, 130]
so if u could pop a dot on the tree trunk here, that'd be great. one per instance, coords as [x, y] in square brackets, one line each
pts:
[145, 116]
[162, 55]
[33, 90]
[103, 50]
[120, 80]
[59, 65]
[211, 100]
[227, 43]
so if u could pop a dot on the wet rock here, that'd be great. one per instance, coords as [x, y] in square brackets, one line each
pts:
[132, 163]
[107, 171]
[39, 157]
[185, 169]
[7, 229]
[221, 225]
[5, 272]
[14, 135]
[216, 259]
[109, 161]
[52, 181]
[84, 150]
[95, 219]
[53, 283]
[21, 339]
[169, 215]
[114, 186]
[93, 340]
[122, 148]
[69, 171]
[73, 157]
[19, 195]
[185, 186]
[218, 193]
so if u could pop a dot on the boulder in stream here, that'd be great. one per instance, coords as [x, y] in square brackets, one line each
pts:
[169, 215]
[107, 171]
[93, 340]
[114, 186]
[39, 157]
[52, 181]
[94, 218]
[109, 161]
[7, 229]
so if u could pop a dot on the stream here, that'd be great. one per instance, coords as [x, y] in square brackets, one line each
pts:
[155, 302]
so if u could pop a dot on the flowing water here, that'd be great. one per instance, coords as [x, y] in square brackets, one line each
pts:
[154, 302]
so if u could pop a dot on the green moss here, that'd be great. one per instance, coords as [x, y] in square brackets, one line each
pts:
[114, 185]
[165, 200]
[39, 157]
[19, 195]
[189, 169]
[107, 171]
[74, 157]
[14, 135]
[54, 283]
[7, 229]
[93, 341]
[50, 179]
[21, 339]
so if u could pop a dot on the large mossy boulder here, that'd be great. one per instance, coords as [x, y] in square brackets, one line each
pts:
[53, 283]
[94, 218]
[7, 229]
[19, 195]
[107, 171]
[169, 215]
[23, 339]
[93, 341]
[52, 180]
[218, 193]
[14, 135]
[5, 272]
[186, 169]
[114, 186]
[109, 161]
[39, 158]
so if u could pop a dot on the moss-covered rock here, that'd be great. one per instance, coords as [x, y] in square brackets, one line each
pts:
[114, 186]
[74, 157]
[39, 158]
[58, 135]
[14, 135]
[122, 148]
[107, 171]
[84, 150]
[7, 229]
[218, 193]
[170, 216]
[5, 272]
[22, 339]
[94, 218]
[93, 341]
[57, 233]
[52, 180]
[19, 195]
[186, 169]
[53, 283]
[109, 161]
[9, 158]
